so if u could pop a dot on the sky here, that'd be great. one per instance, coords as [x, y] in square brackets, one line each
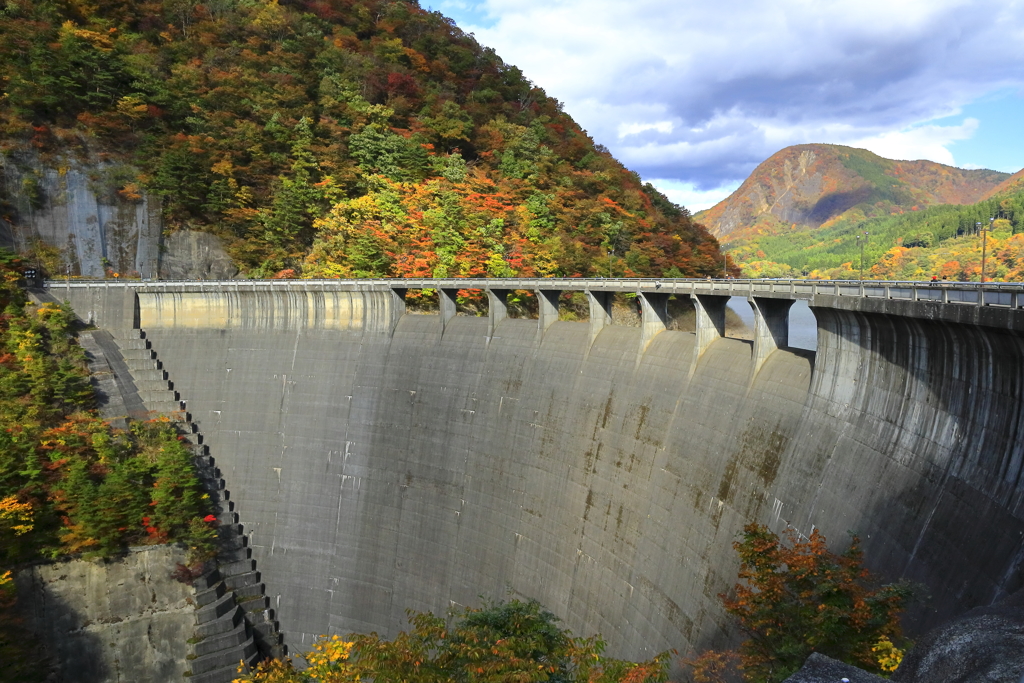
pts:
[694, 94]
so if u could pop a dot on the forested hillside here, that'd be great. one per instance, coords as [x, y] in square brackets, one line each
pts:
[337, 138]
[944, 241]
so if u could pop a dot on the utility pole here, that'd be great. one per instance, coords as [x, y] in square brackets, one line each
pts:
[984, 246]
[862, 239]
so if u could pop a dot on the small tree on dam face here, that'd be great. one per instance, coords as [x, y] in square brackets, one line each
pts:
[797, 599]
[504, 642]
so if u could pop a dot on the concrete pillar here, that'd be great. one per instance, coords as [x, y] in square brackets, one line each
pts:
[653, 317]
[497, 309]
[771, 327]
[446, 301]
[397, 306]
[600, 312]
[710, 309]
[547, 307]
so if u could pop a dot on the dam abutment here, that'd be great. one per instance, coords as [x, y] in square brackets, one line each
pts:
[387, 461]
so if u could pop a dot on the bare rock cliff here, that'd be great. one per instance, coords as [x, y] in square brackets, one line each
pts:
[93, 221]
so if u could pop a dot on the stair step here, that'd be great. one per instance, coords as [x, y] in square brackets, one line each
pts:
[216, 609]
[233, 554]
[223, 675]
[126, 344]
[151, 384]
[223, 624]
[138, 364]
[267, 637]
[230, 539]
[217, 660]
[232, 568]
[243, 593]
[165, 407]
[254, 603]
[240, 580]
[137, 354]
[207, 580]
[158, 396]
[222, 641]
[131, 333]
[212, 594]
[150, 375]
[227, 518]
[265, 616]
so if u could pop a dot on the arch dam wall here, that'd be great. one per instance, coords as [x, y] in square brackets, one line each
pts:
[382, 461]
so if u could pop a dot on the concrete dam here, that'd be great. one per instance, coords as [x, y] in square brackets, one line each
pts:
[381, 460]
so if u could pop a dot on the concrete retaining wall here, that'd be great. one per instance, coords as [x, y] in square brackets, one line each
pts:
[377, 471]
[109, 622]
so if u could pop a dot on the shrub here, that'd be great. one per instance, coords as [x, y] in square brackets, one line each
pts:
[504, 642]
[797, 599]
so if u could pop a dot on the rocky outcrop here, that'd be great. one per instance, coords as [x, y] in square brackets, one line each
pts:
[194, 255]
[821, 669]
[986, 644]
[94, 220]
[83, 213]
[119, 620]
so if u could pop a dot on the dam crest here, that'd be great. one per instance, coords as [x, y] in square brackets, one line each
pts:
[383, 461]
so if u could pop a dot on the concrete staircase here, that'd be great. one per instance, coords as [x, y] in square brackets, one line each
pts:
[233, 620]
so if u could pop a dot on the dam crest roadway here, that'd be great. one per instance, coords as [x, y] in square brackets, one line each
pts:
[381, 460]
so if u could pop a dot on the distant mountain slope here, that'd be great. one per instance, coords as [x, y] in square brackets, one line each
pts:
[1011, 185]
[327, 138]
[807, 186]
[944, 241]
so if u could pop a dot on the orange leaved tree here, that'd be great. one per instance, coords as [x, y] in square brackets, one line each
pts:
[797, 598]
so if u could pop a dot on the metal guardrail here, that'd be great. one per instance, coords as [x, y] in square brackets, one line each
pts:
[998, 294]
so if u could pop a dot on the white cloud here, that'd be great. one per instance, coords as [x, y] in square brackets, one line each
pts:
[628, 129]
[919, 142]
[701, 92]
[692, 197]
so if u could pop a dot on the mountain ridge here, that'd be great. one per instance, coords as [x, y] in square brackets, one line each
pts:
[911, 220]
[807, 186]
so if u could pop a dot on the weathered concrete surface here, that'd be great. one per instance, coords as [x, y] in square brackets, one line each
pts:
[377, 471]
[104, 622]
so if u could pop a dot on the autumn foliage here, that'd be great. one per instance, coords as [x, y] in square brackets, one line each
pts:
[69, 482]
[504, 642]
[798, 597]
[330, 138]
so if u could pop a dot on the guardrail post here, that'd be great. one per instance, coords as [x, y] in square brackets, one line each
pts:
[771, 328]
[547, 307]
[600, 312]
[653, 317]
[497, 309]
[446, 299]
[710, 326]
